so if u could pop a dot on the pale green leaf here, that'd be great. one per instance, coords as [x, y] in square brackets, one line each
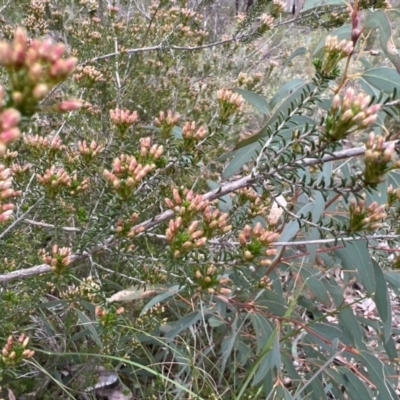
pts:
[383, 78]
[88, 324]
[382, 301]
[258, 102]
[355, 257]
[379, 20]
[285, 90]
[309, 4]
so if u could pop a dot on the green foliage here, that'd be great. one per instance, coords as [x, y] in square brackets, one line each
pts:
[215, 218]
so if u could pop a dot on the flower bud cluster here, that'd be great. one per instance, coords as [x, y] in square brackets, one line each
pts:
[88, 289]
[191, 135]
[377, 160]
[207, 278]
[44, 146]
[215, 222]
[229, 104]
[256, 205]
[89, 152]
[14, 352]
[54, 179]
[18, 170]
[35, 67]
[88, 76]
[59, 258]
[166, 122]
[149, 152]
[108, 318]
[184, 240]
[187, 207]
[393, 197]
[334, 51]
[9, 120]
[350, 114]
[123, 119]
[365, 218]
[267, 23]
[278, 8]
[184, 233]
[123, 226]
[6, 192]
[128, 171]
[255, 242]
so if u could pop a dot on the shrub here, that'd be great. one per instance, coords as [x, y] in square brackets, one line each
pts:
[182, 218]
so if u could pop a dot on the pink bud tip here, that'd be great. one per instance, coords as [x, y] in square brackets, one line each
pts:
[69, 105]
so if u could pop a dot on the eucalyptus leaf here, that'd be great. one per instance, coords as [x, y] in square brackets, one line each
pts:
[380, 20]
[382, 301]
[90, 326]
[355, 257]
[258, 102]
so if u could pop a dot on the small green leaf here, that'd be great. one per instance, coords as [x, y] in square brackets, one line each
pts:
[224, 202]
[258, 102]
[175, 328]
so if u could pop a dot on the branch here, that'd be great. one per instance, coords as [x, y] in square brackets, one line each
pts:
[212, 195]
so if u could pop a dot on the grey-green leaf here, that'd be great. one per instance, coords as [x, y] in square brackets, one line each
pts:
[258, 102]
[355, 256]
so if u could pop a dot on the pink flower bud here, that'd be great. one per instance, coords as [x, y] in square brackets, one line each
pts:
[18, 56]
[62, 68]
[20, 37]
[5, 215]
[10, 135]
[56, 52]
[346, 116]
[69, 105]
[176, 196]
[358, 118]
[17, 97]
[5, 54]
[373, 109]
[335, 102]
[369, 121]
[9, 118]
[169, 203]
[40, 91]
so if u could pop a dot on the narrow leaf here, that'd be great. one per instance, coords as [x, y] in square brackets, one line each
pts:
[382, 301]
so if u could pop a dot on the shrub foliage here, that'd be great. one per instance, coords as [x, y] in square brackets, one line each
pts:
[193, 210]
